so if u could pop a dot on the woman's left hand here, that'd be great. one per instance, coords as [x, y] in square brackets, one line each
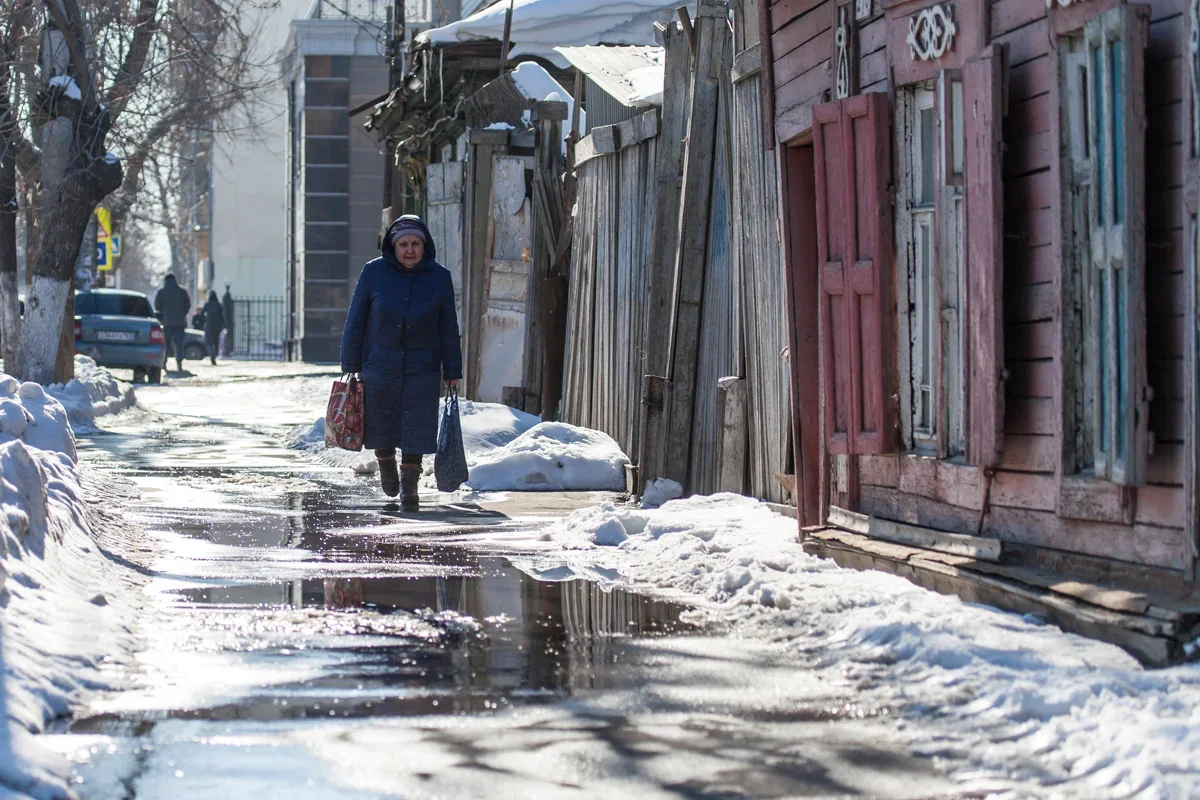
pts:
[452, 383]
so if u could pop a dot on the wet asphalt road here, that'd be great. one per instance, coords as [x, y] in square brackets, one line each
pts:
[301, 638]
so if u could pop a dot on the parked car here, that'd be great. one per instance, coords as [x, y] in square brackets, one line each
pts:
[194, 346]
[118, 328]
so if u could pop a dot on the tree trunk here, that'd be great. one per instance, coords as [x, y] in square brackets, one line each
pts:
[10, 317]
[33, 228]
[65, 217]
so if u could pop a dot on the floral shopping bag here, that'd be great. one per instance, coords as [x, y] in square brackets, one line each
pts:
[344, 416]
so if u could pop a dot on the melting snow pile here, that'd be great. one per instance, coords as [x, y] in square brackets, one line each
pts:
[538, 26]
[552, 456]
[62, 603]
[1011, 705]
[93, 392]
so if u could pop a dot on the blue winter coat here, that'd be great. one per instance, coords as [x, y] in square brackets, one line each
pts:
[401, 336]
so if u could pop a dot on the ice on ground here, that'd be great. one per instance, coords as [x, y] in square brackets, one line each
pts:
[659, 491]
[93, 392]
[64, 605]
[1010, 705]
[552, 456]
[538, 26]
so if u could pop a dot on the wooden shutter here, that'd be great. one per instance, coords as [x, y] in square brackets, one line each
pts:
[1115, 47]
[983, 78]
[854, 248]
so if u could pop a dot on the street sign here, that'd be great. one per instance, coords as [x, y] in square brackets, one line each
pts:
[104, 217]
[102, 262]
[115, 245]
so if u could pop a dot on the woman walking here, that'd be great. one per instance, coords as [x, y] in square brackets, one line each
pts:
[214, 323]
[401, 337]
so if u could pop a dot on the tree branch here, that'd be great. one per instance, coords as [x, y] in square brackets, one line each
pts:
[134, 64]
[67, 19]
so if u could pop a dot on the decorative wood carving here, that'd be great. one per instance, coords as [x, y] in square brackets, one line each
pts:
[1062, 3]
[844, 54]
[863, 9]
[931, 32]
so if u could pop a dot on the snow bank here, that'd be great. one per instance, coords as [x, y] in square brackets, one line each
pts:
[63, 602]
[538, 26]
[1009, 704]
[552, 456]
[93, 392]
[485, 426]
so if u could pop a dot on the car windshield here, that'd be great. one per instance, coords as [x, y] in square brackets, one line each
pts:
[123, 305]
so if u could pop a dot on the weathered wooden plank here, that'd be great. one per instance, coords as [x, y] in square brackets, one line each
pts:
[1036, 415]
[1087, 498]
[1167, 418]
[1031, 379]
[1029, 116]
[954, 543]
[1168, 38]
[803, 59]
[879, 470]
[1164, 506]
[1026, 266]
[1026, 43]
[1165, 81]
[1031, 490]
[691, 257]
[944, 481]
[1165, 336]
[1030, 340]
[668, 171]
[731, 457]
[1165, 210]
[796, 121]
[1030, 453]
[1032, 78]
[1030, 303]
[804, 87]
[794, 29]
[1165, 125]
[1150, 545]
[872, 37]
[1010, 15]
[1028, 155]
[747, 63]
[983, 87]
[873, 68]
[1026, 228]
[1166, 465]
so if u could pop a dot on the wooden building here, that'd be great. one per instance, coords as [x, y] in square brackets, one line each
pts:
[989, 217]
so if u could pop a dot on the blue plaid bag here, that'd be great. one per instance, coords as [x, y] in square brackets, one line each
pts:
[450, 463]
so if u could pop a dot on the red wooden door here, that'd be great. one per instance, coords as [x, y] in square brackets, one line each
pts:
[854, 248]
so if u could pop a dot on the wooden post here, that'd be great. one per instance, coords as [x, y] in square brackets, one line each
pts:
[548, 117]
[731, 454]
[668, 179]
[694, 217]
[479, 190]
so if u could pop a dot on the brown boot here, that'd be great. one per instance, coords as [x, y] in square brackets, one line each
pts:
[389, 477]
[410, 475]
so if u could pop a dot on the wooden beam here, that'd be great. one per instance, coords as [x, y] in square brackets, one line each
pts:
[668, 181]
[747, 63]
[731, 455]
[692, 254]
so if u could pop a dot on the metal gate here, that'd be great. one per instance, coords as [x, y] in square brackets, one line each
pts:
[258, 328]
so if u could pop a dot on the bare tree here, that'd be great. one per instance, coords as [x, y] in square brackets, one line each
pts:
[170, 67]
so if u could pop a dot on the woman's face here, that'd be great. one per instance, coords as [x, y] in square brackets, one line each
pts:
[410, 249]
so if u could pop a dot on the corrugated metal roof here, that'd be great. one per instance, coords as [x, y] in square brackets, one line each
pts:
[609, 68]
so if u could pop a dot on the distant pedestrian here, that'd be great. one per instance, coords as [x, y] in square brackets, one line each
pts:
[227, 306]
[401, 336]
[214, 323]
[173, 304]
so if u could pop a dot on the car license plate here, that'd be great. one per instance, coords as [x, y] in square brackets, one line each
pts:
[116, 336]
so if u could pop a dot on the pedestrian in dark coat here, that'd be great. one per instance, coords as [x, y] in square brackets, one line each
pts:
[214, 323]
[173, 304]
[401, 337]
[227, 305]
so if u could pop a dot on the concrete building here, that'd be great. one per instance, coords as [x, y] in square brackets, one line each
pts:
[335, 171]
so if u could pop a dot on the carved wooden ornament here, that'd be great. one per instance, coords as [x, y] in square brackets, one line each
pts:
[863, 9]
[841, 43]
[931, 32]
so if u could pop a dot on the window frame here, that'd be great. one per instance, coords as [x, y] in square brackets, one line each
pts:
[1105, 433]
[937, 332]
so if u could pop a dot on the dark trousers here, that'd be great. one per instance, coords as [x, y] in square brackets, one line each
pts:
[174, 336]
[406, 458]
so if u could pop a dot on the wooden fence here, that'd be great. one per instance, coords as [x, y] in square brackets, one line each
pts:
[696, 298]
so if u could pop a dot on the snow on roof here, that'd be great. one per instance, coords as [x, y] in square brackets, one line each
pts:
[632, 75]
[539, 26]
